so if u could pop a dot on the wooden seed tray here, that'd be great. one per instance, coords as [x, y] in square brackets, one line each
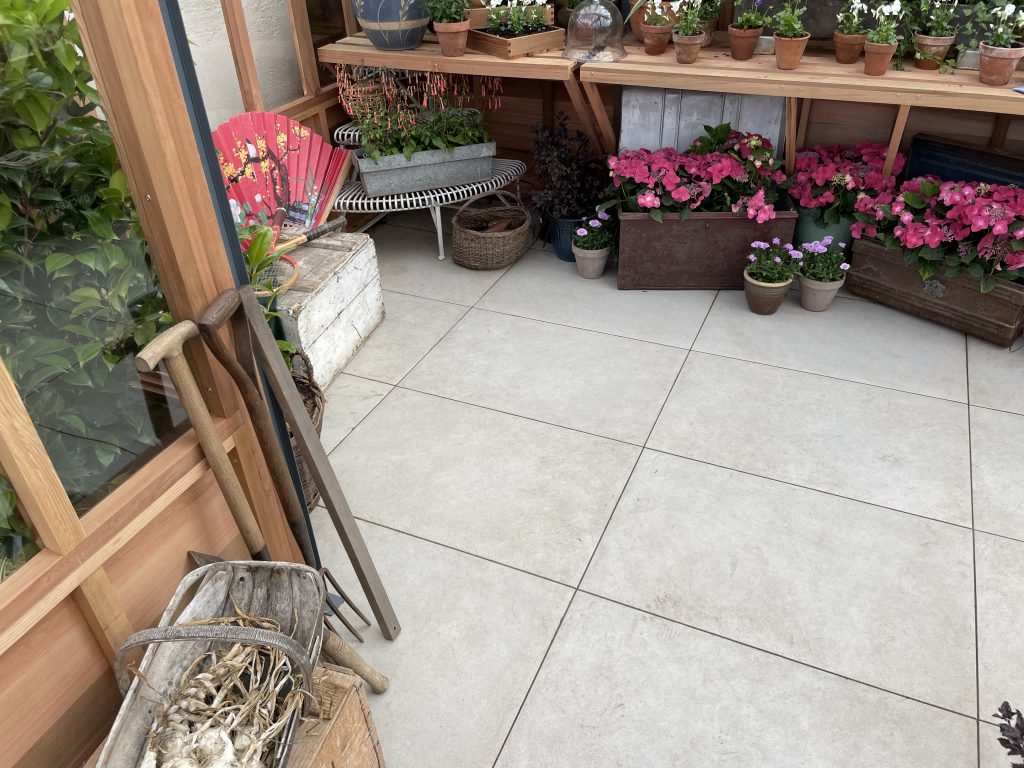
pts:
[514, 47]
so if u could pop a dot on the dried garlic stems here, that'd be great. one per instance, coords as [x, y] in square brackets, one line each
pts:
[230, 707]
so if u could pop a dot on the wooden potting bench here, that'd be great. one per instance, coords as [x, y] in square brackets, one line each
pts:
[818, 77]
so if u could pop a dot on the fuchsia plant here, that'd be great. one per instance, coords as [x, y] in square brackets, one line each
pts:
[723, 171]
[828, 180]
[962, 226]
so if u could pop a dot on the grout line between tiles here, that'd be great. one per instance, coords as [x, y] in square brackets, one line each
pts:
[974, 548]
[425, 298]
[777, 655]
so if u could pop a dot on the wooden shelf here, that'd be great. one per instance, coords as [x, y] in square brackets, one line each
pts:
[819, 77]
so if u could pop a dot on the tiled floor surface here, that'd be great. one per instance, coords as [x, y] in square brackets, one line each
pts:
[653, 529]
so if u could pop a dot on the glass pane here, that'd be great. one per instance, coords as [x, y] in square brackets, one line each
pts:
[78, 295]
[17, 542]
[327, 24]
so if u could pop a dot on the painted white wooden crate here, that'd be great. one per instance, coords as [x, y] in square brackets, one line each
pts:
[653, 118]
[336, 302]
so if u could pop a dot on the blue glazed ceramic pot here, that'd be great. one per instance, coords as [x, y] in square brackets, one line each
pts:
[393, 25]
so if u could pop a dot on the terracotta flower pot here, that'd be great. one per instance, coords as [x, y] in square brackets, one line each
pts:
[815, 295]
[998, 64]
[452, 36]
[742, 42]
[687, 47]
[637, 20]
[591, 264]
[934, 50]
[849, 47]
[655, 38]
[709, 33]
[877, 58]
[789, 51]
[764, 298]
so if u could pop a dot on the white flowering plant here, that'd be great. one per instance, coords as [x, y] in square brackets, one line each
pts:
[888, 17]
[514, 18]
[850, 20]
[690, 17]
[999, 24]
[936, 18]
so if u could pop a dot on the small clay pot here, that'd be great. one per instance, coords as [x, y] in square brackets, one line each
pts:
[655, 38]
[849, 47]
[877, 58]
[934, 50]
[687, 47]
[743, 42]
[815, 295]
[637, 20]
[764, 298]
[998, 64]
[591, 264]
[789, 51]
[452, 36]
[709, 33]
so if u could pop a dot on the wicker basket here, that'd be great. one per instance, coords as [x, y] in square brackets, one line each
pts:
[313, 398]
[491, 238]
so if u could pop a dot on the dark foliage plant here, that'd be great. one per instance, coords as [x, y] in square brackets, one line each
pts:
[573, 177]
[1011, 732]
[77, 294]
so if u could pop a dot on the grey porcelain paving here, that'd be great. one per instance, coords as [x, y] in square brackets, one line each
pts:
[869, 593]
[410, 328]
[996, 439]
[996, 375]
[473, 636]
[513, 490]
[867, 443]
[349, 399]
[992, 753]
[409, 264]
[421, 220]
[605, 385]
[1000, 568]
[542, 287]
[620, 688]
[852, 340]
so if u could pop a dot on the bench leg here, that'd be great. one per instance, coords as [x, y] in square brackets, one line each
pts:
[435, 214]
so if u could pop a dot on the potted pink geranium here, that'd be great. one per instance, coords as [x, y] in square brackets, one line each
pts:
[950, 251]
[686, 218]
[827, 181]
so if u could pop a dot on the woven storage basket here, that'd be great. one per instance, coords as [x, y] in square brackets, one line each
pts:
[491, 238]
[313, 398]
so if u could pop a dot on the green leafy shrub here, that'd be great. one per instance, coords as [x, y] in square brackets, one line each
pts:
[77, 294]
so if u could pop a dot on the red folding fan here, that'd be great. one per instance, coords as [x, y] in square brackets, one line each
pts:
[277, 171]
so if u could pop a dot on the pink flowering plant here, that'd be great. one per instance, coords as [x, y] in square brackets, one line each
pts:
[957, 226]
[824, 260]
[774, 262]
[595, 233]
[724, 170]
[828, 180]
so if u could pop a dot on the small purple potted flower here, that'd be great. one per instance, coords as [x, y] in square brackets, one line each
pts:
[592, 244]
[822, 273]
[769, 275]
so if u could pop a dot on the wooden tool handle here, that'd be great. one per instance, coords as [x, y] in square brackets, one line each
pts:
[167, 344]
[220, 309]
[344, 655]
[167, 347]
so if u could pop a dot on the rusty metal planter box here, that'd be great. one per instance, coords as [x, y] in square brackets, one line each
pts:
[708, 250]
[882, 275]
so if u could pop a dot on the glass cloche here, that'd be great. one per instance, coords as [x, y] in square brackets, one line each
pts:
[595, 32]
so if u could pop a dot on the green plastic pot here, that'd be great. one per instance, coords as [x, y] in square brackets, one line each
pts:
[808, 230]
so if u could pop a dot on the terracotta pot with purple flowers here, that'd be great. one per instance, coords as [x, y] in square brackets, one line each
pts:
[769, 275]
[822, 273]
[592, 245]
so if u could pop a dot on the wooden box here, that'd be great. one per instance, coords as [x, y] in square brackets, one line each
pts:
[343, 736]
[478, 16]
[706, 251]
[514, 47]
[882, 275]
